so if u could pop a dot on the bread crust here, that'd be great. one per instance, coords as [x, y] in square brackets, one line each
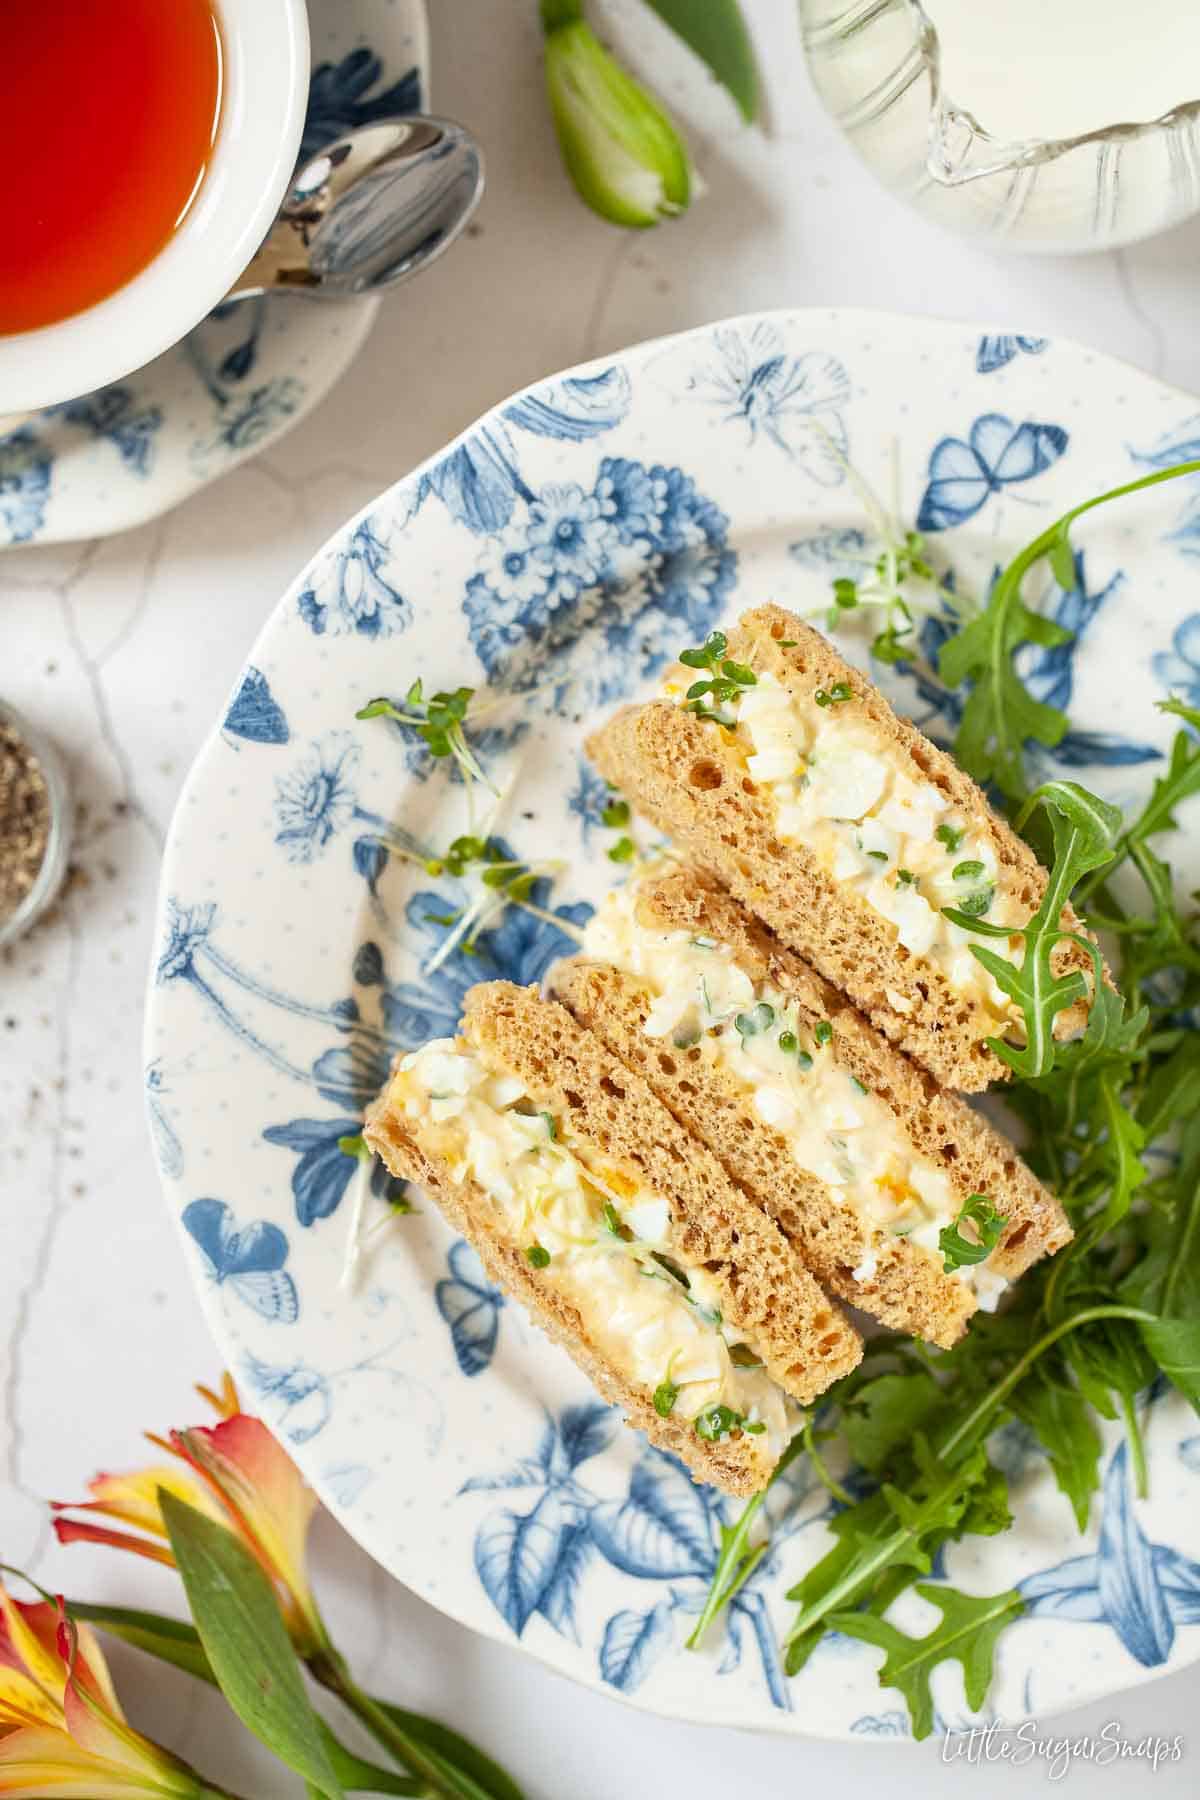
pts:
[908, 1289]
[766, 1291]
[689, 778]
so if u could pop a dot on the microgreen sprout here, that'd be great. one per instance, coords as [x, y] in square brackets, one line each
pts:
[835, 695]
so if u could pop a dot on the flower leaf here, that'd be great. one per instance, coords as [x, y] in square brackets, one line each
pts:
[970, 1626]
[455, 1754]
[716, 31]
[238, 1619]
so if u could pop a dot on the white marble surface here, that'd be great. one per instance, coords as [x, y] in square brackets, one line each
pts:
[124, 650]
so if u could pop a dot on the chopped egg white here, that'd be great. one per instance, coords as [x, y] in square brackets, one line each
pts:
[835, 787]
[703, 1002]
[650, 1325]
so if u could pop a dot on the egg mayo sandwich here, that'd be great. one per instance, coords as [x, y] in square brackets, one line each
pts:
[847, 832]
[626, 1240]
[864, 1163]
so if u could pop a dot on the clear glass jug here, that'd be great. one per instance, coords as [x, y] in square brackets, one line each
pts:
[878, 68]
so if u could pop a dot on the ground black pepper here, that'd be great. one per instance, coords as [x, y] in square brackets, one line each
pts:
[24, 819]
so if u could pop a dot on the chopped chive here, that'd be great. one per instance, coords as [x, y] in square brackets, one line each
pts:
[804, 1059]
[551, 1124]
[975, 905]
[840, 692]
[621, 851]
[946, 834]
[823, 1032]
[878, 855]
[789, 1043]
[754, 1426]
[787, 643]
[536, 1256]
[857, 1085]
[966, 871]
[615, 814]
[907, 877]
[354, 1146]
[760, 1018]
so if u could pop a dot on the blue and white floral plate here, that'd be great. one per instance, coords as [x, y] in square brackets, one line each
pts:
[563, 549]
[251, 371]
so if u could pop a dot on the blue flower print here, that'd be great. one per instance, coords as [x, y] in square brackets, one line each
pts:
[588, 798]
[254, 713]
[354, 595]
[340, 98]
[796, 402]
[324, 1172]
[573, 407]
[1143, 1591]
[246, 422]
[632, 499]
[997, 352]
[888, 1724]
[512, 570]
[300, 1392]
[567, 537]
[519, 948]
[316, 800]
[112, 415]
[1179, 667]
[964, 474]
[25, 472]
[188, 930]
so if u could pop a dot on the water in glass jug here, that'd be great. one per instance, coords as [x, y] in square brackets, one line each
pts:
[1044, 124]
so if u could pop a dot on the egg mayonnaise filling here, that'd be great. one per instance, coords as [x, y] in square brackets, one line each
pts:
[898, 843]
[599, 1239]
[836, 1130]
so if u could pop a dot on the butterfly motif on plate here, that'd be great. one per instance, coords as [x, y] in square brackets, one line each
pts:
[254, 713]
[998, 350]
[249, 1261]
[470, 1305]
[964, 473]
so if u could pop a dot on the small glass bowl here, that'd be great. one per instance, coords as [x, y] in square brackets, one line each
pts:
[58, 843]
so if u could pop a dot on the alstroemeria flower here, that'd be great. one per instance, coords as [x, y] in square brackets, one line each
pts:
[235, 1473]
[63, 1735]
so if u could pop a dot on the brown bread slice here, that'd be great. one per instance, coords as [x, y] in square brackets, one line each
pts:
[908, 1290]
[690, 779]
[766, 1292]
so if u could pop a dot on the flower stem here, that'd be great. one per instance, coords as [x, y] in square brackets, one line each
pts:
[327, 1667]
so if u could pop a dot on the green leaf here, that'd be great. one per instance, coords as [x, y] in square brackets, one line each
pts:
[238, 1619]
[1175, 1346]
[455, 1753]
[1173, 1090]
[1084, 831]
[716, 31]
[961, 1252]
[970, 1626]
[885, 1414]
[357, 1776]
[621, 150]
[1062, 561]
[1061, 1420]
[171, 1640]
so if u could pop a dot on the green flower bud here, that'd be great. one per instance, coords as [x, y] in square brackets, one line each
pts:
[621, 150]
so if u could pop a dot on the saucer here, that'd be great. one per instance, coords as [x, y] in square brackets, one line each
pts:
[123, 455]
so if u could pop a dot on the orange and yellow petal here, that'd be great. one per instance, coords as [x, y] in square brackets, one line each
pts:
[81, 1531]
[29, 1642]
[38, 1763]
[132, 1497]
[265, 1495]
[225, 1401]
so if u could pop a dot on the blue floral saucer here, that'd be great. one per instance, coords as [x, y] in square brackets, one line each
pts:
[251, 371]
[559, 553]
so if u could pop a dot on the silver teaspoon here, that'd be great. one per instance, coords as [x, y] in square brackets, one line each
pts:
[370, 210]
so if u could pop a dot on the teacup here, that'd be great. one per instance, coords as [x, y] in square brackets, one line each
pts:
[264, 78]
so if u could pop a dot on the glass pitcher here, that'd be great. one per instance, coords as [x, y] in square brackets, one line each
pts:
[878, 68]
